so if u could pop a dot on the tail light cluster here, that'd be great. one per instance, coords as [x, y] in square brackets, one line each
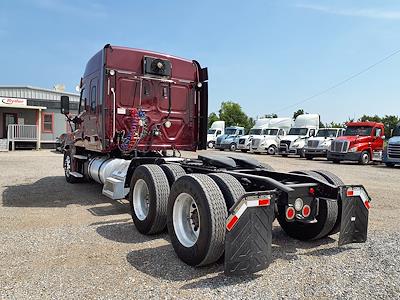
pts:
[299, 207]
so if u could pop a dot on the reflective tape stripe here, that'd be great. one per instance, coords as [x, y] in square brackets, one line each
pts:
[359, 192]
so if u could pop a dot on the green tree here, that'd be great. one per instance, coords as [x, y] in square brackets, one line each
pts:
[390, 123]
[233, 115]
[298, 113]
[334, 125]
[212, 118]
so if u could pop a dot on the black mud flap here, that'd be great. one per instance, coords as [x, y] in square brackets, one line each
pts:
[355, 208]
[249, 234]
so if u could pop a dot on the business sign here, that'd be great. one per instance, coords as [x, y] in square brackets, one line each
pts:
[4, 101]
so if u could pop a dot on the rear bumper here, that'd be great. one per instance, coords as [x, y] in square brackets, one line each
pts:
[351, 156]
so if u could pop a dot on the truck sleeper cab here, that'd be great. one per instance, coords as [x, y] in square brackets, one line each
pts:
[212, 205]
[361, 142]
[318, 146]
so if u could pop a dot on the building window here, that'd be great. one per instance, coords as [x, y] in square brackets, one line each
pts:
[48, 122]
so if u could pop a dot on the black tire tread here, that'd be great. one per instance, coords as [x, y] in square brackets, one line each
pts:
[229, 186]
[173, 172]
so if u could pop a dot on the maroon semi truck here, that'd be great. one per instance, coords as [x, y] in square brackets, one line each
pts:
[138, 110]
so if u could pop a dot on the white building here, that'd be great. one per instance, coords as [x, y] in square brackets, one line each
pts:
[30, 116]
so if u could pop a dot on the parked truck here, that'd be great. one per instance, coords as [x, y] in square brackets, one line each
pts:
[361, 142]
[305, 126]
[230, 138]
[244, 143]
[391, 154]
[217, 129]
[271, 137]
[138, 110]
[318, 146]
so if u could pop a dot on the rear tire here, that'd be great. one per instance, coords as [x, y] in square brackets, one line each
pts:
[336, 161]
[221, 149]
[244, 150]
[230, 188]
[284, 155]
[207, 245]
[173, 172]
[148, 198]
[326, 218]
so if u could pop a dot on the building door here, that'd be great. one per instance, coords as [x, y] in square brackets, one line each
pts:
[9, 118]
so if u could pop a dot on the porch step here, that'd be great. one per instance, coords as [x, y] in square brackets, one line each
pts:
[3, 145]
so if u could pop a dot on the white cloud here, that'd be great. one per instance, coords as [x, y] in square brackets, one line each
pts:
[366, 13]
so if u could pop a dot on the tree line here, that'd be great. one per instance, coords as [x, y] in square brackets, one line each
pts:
[233, 115]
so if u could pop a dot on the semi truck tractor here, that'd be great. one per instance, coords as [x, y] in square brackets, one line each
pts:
[361, 142]
[244, 143]
[269, 141]
[318, 146]
[230, 138]
[305, 126]
[138, 110]
[217, 129]
[391, 154]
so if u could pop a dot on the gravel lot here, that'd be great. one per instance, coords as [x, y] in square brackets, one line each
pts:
[68, 241]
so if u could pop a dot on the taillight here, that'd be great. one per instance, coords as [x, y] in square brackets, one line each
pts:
[290, 213]
[311, 191]
[306, 211]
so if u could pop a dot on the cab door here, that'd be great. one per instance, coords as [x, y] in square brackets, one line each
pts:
[377, 140]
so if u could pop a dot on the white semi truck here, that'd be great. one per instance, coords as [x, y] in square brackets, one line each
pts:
[319, 145]
[244, 143]
[217, 129]
[268, 141]
[305, 126]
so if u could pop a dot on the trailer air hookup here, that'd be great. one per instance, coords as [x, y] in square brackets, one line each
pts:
[138, 109]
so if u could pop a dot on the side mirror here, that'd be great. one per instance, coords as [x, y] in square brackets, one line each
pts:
[383, 137]
[65, 105]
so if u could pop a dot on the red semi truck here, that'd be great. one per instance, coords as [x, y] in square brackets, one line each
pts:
[138, 110]
[361, 142]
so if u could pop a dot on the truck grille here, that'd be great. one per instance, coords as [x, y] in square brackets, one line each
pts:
[312, 144]
[255, 143]
[393, 151]
[241, 141]
[340, 146]
[283, 144]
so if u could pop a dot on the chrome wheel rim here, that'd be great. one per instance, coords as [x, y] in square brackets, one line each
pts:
[233, 147]
[186, 220]
[141, 199]
[365, 158]
[210, 145]
[271, 150]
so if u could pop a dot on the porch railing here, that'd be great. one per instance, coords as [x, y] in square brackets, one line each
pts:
[22, 133]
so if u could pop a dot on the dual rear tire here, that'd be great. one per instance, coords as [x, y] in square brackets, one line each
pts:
[193, 207]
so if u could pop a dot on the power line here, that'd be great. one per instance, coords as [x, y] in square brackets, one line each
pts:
[341, 82]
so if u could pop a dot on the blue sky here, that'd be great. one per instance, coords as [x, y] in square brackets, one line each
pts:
[266, 55]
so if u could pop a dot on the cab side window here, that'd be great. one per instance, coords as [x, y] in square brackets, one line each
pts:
[312, 132]
[218, 132]
[378, 131]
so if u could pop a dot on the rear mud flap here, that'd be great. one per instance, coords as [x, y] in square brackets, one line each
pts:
[249, 234]
[355, 208]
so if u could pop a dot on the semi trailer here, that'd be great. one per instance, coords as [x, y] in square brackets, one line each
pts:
[138, 111]
[361, 142]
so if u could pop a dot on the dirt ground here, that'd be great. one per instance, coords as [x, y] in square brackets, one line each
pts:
[59, 240]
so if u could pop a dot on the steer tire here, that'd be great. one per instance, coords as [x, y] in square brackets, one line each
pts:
[365, 158]
[158, 191]
[230, 188]
[335, 180]
[173, 172]
[208, 247]
[326, 218]
[68, 162]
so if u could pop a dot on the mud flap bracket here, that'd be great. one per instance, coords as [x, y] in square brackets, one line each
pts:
[249, 234]
[355, 208]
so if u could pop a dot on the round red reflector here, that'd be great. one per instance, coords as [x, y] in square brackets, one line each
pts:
[306, 211]
[290, 213]
[312, 191]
